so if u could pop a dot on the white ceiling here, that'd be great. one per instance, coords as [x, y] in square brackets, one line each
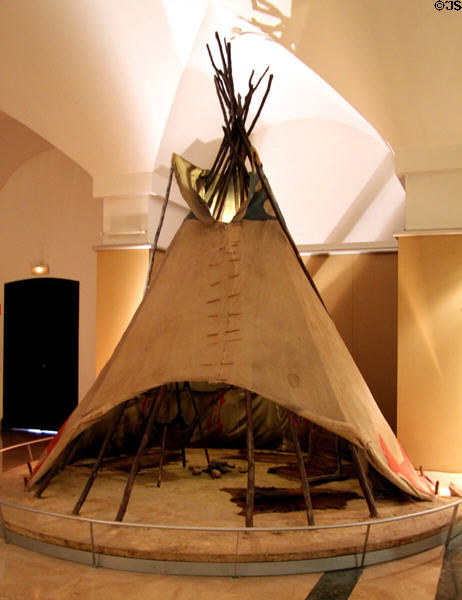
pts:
[98, 81]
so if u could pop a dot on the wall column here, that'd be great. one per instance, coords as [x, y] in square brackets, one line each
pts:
[429, 411]
[131, 212]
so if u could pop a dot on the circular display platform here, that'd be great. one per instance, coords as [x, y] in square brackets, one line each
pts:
[195, 524]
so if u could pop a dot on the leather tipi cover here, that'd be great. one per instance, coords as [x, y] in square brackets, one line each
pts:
[230, 303]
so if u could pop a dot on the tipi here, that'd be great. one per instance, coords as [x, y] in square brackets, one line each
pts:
[232, 303]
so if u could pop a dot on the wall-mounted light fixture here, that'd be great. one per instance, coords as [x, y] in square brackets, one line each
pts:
[40, 268]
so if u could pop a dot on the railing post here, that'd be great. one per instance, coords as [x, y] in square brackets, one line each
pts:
[366, 539]
[92, 541]
[3, 526]
[451, 525]
[236, 557]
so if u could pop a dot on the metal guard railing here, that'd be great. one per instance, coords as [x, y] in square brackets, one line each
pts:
[238, 530]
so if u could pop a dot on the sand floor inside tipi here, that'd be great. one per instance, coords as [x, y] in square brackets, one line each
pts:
[188, 500]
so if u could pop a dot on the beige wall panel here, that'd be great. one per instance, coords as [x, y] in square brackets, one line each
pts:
[360, 292]
[430, 350]
[121, 280]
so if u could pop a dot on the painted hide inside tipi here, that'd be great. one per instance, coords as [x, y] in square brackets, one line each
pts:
[231, 303]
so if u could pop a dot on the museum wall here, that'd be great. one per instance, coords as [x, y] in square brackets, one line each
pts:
[121, 282]
[433, 199]
[47, 212]
[430, 349]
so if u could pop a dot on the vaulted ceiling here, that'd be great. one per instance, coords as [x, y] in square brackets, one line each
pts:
[18, 144]
[98, 83]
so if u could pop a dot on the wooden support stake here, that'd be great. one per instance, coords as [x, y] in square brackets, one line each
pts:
[137, 461]
[46, 480]
[301, 466]
[183, 450]
[309, 452]
[3, 526]
[162, 453]
[201, 431]
[250, 498]
[31, 459]
[58, 466]
[338, 455]
[29, 452]
[363, 482]
[99, 459]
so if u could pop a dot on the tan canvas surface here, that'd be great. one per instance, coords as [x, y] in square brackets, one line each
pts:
[231, 304]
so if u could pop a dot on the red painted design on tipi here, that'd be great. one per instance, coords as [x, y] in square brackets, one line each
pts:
[405, 469]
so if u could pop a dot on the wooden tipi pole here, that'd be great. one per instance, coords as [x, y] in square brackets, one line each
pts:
[363, 482]
[250, 498]
[301, 466]
[199, 424]
[59, 465]
[159, 227]
[137, 461]
[162, 453]
[99, 460]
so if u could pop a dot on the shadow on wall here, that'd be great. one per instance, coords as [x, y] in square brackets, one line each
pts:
[363, 202]
[283, 29]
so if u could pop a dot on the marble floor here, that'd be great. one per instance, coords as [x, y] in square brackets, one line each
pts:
[24, 575]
